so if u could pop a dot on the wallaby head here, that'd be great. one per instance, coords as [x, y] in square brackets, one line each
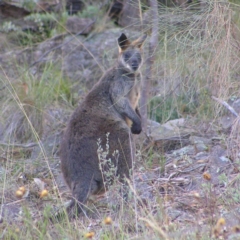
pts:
[130, 56]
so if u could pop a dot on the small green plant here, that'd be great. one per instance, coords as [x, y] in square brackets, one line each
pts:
[172, 107]
[29, 5]
[45, 23]
[8, 27]
[91, 11]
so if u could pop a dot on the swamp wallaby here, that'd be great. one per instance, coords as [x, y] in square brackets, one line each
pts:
[111, 107]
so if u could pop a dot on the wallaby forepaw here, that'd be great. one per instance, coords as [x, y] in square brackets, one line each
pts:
[136, 128]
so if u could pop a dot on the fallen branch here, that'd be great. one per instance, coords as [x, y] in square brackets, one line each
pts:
[153, 41]
[29, 145]
[225, 104]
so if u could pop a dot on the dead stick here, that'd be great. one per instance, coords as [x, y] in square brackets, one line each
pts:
[225, 104]
[29, 145]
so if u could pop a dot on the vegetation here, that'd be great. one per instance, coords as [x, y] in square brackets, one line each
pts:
[197, 58]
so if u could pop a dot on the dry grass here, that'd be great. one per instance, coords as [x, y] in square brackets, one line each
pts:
[197, 57]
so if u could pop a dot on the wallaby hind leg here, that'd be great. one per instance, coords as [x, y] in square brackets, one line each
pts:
[82, 190]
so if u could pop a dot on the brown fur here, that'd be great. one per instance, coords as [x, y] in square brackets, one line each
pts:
[111, 103]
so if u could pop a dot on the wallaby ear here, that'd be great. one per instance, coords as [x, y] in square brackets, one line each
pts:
[123, 42]
[139, 42]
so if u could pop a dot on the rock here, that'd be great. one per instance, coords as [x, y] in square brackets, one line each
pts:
[75, 25]
[219, 159]
[130, 14]
[175, 124]
[187, 150]
[225, 159]
[152, 124]
[115, 10]
[171, 135]
[74, 6]
[83, 60]
[196, 140]
[200, 147]
[201, 144]
[8, 11]
[228, 119]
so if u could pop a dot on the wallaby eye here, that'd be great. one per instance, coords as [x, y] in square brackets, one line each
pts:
[127, 56]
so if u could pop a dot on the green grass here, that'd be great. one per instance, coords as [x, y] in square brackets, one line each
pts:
[194, 60]
[44, 25]
[27, 99]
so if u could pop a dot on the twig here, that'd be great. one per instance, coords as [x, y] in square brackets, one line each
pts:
[153, 41]
[29, 145]
[225, 104]
[156, 227]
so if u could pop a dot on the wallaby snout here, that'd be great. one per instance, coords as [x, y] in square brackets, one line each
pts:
[134, 64]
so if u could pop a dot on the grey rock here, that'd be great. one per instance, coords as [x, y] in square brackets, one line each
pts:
[169, 130]
[187, 150]
[219, 161]
[74, 6]
[227, 121]
[200, 140]
[175, 124]
[171, 135]
[224, 159]
[200, 144]
[130, 14]
[76, 24]
[200, 147]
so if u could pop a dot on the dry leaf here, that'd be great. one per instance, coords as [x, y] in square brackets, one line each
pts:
[40, 183]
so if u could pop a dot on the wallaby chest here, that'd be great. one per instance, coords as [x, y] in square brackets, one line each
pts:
[135, 91]
[132, 88]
